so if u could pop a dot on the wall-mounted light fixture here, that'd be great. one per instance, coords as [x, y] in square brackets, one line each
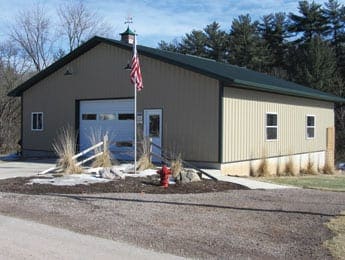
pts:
[128, 66]
[68, 72]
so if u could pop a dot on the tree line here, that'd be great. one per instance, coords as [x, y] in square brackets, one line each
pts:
[307, 47]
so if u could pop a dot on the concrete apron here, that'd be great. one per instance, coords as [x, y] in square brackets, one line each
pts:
[23, 239]
[13, 169]
[251, 184]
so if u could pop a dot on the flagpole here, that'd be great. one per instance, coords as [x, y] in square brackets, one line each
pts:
[135, 111]
[135, 128]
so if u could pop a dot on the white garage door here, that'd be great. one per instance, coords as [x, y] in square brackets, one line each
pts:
[115, 117]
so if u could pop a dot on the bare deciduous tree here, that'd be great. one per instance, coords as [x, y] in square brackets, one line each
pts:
[78, 23]
[31, 32]
[12, 69]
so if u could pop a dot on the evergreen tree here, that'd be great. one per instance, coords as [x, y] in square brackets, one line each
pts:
[311, 21]
[216, 42]
[194, 43]
[335, 15]
[169, 46]
[246, 49]
[273, 31]
[315, 65]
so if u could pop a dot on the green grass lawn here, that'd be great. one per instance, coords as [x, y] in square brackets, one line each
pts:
[337, 244]
[323, 182]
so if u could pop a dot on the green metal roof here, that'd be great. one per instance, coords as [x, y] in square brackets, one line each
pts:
[128, 31]
[230, 74]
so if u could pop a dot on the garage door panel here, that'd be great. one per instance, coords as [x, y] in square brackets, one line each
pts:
[114, 117]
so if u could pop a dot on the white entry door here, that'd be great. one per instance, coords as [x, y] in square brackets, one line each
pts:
[153, 129]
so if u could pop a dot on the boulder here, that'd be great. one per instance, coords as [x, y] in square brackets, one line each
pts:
[193, 176]
[119, 174]
[186, 176]
[105, 173]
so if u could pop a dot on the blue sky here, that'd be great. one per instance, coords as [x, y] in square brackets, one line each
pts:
[156, 20]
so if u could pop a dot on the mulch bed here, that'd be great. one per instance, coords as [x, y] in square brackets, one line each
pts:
[129, 185]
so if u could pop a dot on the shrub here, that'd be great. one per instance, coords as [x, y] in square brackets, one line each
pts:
[64, 147]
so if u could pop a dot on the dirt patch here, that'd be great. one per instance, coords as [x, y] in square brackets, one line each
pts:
[129, 185]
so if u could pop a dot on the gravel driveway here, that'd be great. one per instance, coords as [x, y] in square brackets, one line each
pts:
[280, 224]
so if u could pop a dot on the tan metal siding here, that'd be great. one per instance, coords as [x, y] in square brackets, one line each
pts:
[189, 100]
[244, 121]
[190, 108]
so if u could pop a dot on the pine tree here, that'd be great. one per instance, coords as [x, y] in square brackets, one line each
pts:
[315, 65]
[216, 42]
[311, 22]
[273, 31]
[194, 43]
[335, 15]
[169, 46]
[246, 48]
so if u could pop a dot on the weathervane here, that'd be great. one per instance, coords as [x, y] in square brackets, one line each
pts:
[128, 20]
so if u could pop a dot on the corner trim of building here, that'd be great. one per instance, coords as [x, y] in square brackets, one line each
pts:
[220, 122]
[76, 121]
[21, 122]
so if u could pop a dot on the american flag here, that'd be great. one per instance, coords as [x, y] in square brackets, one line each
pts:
[136, 77]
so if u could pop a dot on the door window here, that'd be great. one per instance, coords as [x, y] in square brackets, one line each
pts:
[154, 125]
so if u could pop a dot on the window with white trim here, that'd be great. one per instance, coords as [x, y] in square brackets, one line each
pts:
[271, 126]
[37, 121]
[310, 127]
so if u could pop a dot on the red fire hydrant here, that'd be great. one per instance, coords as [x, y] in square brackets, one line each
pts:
[164, 173]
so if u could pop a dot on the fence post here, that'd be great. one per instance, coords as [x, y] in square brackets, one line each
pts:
[330, 147]
[105, 143]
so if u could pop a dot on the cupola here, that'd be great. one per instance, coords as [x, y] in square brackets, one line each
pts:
[128, 36]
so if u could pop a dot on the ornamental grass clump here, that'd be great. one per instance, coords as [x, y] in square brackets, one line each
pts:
[309, 169]
[64, 146]
[176, 166]
[144, 161]
[328, 169]
[106, 158]
[289, 168]
[263, 169]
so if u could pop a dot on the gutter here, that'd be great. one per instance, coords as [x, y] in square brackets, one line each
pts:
[284, 91]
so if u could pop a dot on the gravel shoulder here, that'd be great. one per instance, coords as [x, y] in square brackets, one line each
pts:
[234, 224]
